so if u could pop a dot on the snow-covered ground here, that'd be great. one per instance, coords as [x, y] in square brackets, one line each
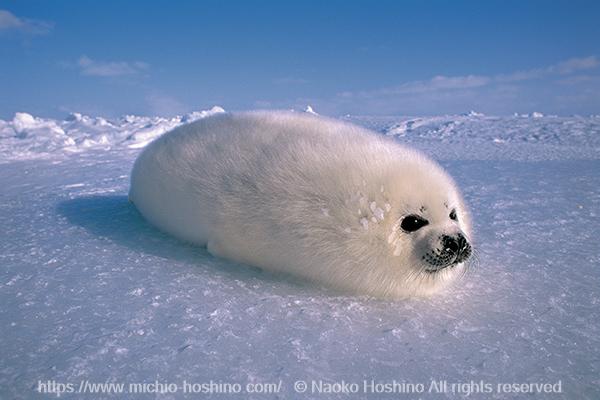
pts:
[90, 293]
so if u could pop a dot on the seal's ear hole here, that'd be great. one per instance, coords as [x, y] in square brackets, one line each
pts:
[452, 215]
[413, 222]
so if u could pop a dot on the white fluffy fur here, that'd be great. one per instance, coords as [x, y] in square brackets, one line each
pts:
[301, 194]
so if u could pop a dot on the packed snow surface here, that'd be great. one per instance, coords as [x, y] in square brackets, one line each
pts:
[90, 293]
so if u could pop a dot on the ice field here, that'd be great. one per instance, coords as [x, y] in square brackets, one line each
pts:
[89, 292]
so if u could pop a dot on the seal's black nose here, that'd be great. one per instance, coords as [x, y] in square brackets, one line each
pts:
[450, 244]
[458, 246]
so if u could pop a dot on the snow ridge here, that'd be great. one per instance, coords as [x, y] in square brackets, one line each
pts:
[471, 135]
[29, 137]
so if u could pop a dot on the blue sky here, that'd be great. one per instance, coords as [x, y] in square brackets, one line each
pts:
[361, 57]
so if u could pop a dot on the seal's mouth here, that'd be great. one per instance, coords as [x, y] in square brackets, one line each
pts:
[438, 269]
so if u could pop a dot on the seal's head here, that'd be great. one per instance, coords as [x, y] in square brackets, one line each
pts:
[441, 244]
[431, 234]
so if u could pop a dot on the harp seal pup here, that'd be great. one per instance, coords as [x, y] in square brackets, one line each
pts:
[309, 196]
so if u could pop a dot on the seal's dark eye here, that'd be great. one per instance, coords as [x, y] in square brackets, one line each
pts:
[412, 223]
[453, 215]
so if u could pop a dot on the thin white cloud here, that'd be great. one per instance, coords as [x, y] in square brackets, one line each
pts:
[91, 67]
[576, 64]
[441, 84]
[522, 75]
[10, 22]
[537, 88]
[566, 67]
[579, 79]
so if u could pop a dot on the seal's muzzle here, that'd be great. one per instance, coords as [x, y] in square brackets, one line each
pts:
[455, 250]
